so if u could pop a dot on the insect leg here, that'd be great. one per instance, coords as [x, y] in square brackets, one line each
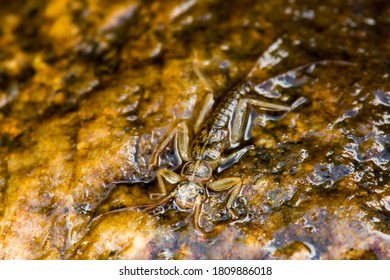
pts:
[147, 207]
[267, 105]
[209, 99]
[225, 184]
[207, 105]
[225, 162]
[197, 214]
[170, 176]
[181, 136]
[183, 140]
[239, 122]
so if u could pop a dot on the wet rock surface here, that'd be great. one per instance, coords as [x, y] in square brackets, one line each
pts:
[89, 89]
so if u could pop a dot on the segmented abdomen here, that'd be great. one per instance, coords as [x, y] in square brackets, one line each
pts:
[213, 138]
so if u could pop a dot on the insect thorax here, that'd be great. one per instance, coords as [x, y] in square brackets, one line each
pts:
[197, 171]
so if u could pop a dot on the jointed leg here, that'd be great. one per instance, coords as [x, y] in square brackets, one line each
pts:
[232, 158]
[147, 207]
[239, 122]
[197, 214]
[267, 105]
[181, 136]
[225, 184]
[170, 176]
[183, 140]
[207, 105]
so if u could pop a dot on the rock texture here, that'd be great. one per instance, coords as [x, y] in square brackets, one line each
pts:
[89, 89]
